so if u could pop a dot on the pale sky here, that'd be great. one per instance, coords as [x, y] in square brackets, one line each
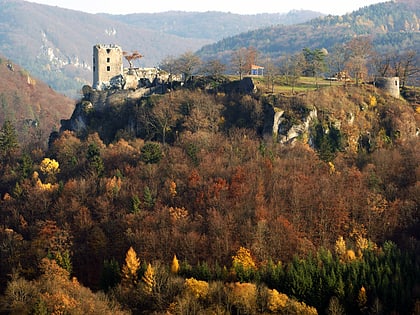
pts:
[335, 7]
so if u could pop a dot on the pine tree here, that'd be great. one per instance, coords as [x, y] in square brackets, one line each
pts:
[8, 141]
[334, 307]
[149, 201]
[175, 265]
[64, 260]
[96, 164]
[131, 267]
[148, 279]
[151, 153]
[362, 299]
[135, 204]
[110, 274]
[340, 247]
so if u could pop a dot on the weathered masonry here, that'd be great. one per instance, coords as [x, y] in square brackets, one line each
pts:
[107, 63]
[390, 85]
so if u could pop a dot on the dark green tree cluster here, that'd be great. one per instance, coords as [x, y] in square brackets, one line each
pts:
[328, 141]
[380, 280]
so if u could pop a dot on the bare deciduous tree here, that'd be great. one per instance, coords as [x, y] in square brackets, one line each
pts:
[131, 57]
[405, 66]
[292, 68]
[359, 50]
[243, 59]
[214, 68]
[187, 64]
[271, 71]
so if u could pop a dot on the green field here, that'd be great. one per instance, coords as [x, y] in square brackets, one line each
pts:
[302, 84]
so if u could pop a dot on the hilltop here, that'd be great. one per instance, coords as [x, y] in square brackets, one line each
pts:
[391, 26]
[245, 103]
[32, 106]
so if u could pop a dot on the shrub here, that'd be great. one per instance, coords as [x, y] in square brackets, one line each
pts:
[151, 153]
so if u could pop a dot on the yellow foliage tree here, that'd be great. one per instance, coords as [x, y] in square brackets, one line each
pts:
[50, 168]
[332, 167]
[295, 307]
[197, 288]
[372, 101]
[243, 296]
[148, 279]
[113, 186]
[340, 247]
[276, 301]
[362, 244]
[175, 265]
[131, 267]
[53, 292]
[178, 213]
[39, 184]
[172, 189]
[244, 258]
[350, 255]
[362, 299]
[280, 303]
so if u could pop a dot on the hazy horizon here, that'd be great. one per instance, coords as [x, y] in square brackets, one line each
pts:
[247, 6]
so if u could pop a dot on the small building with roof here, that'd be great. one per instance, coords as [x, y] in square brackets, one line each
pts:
[257, 70]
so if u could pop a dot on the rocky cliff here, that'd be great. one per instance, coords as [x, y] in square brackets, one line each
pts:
[331, 119]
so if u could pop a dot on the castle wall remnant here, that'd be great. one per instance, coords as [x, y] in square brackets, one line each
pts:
[390, 85]
[107, 63]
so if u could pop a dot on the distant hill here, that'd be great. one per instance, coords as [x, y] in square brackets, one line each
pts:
[33, 107]
[55, 44]
[211, 25]
[392, 25]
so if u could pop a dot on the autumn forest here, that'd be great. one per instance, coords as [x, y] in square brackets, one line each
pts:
[205, 214]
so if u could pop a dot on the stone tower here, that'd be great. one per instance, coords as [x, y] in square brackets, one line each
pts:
[391, 85]
[107, 63]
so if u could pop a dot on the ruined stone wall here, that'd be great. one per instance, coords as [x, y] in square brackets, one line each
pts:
[107, 63]
[391, 85]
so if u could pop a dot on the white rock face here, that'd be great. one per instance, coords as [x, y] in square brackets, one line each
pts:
[277, 121]
[296, 130]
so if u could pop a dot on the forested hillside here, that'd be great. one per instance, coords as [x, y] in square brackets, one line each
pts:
[393, 27]
[211, 25]
[195, 210]
[33, 107]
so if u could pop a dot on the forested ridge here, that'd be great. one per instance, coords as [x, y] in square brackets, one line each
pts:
[33, 106]
[392, 26]
[200, 212]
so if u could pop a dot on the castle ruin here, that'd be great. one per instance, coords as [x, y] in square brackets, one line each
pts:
[391, 85]
[107, 64]
[109, 73]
